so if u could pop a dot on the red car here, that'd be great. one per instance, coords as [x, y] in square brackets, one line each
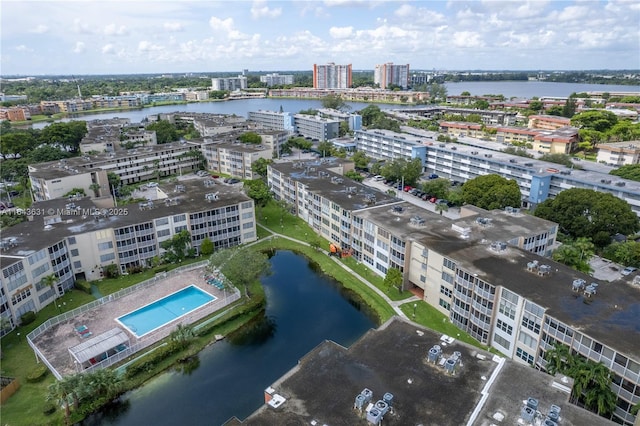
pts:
[407, 188]
[433, 199]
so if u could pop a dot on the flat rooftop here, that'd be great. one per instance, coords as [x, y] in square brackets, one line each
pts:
[324, 384]
[320, 178]
[31, 235]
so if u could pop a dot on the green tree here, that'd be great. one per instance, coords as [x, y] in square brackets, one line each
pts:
[598, 120]
[51, 281]
[439, 188]
[521, 152]
[103, 383]
[360, 159]
[535, 105]
[325, 148]
[250, 138]
[393, 278]
[258, 190]
[571, 255]
[591, 214]
[492, 192]
[335, 102]
[353, 175]
[260, 166]
[241, 266]
[165, 131]
[628, 171]
[182, 336]
[65, 135]
[60, 392]
[370, 114]
[563, 159]
[344, 129]
[441, 207]
[95, 187]
[206, 247]
[626, 253]
[114, 181]
[176, 248]
[17, 142]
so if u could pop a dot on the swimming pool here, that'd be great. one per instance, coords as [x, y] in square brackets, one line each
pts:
[156, 314]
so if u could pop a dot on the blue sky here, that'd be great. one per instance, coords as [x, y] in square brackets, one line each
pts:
[118, 37]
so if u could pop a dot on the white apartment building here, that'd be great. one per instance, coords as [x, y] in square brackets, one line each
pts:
[276, 79]
[229, 83]
[381, 144]
[619, 153]
[484, 271]
[332, 76]
[316, 127]
[77, 238]
[389, 74]
[235, 158]
[273, 120]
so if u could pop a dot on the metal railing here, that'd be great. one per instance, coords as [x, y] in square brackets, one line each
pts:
[142, 343]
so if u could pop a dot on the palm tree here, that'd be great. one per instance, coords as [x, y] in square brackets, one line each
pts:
[95, 188]
[182, 335]
[441, 207]
[51, 281]
[104, 382]
[559, 360]
[59, 391]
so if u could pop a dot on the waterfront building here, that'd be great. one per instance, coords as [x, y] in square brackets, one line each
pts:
[229, 83]
[316, 127]
[19, 113]
[381, 144]
[619, 153]
[360, 94]
[353, 120]
[548, 122]
[389, 74]
[487, 271]
[273, 120]
[77, 238]
[332, 76]
[276, 79]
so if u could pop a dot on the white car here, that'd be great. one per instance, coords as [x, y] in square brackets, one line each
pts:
[629, 270]
[378, 178]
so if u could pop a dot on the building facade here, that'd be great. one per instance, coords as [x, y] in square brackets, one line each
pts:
[229, 83]
[273, 120]
[389, 74]
[619, 153]
[234, 159]
[332, 76]
[276, 79]
[316, 127]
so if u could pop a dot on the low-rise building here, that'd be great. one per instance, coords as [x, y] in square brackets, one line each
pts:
[77, 238]
[273, 120]
[234, 158]
[619, 153]
[316, 127]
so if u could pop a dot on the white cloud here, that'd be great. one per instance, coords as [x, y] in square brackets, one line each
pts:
[114, 30]
[259, 9]
[40, 29]
[173, 27]
[221, 24]
[108, 49]
[341, 32]
[467, 39]
[79, 47]
[23, 48]
[80, 26]
[146, 46]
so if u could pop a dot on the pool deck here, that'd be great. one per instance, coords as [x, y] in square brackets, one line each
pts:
[55, 342]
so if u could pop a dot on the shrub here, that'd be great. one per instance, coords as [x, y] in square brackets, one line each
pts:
[48, 409]
[82, 285]
[27, 318]
[37, 374]
[111, 271]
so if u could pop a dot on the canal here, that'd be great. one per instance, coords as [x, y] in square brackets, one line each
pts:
[304, 308]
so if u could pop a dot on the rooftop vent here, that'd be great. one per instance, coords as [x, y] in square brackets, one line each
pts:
[474, 152]
[578, 284]
[484, 221]
[212, 196]
[488, 155]
[417, 221]
[398, 209]
[434, 354]
[464, 231]
[620, 183]
[591, 290]
[498, 246]
[544, 270]
[532, 266]
[605, 181]
[528, 164]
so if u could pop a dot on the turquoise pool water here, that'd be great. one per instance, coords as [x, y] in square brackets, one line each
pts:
[163, 311]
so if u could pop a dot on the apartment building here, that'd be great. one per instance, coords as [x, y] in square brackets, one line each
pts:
[276, 79]
[389, 74]
[353, 120]
[72, 105]
[316, 127]
[380, 144]
[15, 114]
[487, 272]
[332, 76]
[54, 179]
[76, 238]
[273, 139]
[360, 94]
[273, 120]
[548, 122]
[229, 83]
[234, 158]
[116, 102]
[619, 153]
[488, 117]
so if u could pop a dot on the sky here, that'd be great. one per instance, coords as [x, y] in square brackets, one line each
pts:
[175, 36]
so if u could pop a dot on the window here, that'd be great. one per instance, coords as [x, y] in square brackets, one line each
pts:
[450, 264]
[163, 232]
[504, 327]
[524, 356]
[105, 246]
[162, 221]
[507, 309]
[527, 340]
[75, 252]
[101, 235]
[445, 304]
[501, 341]
[71, 240]
[446, 291]
[36, 257]
[19, 297]
[179, 218]
[77, 264]
[423, 279]
[447, 277]
[107, 257]
[531, 323]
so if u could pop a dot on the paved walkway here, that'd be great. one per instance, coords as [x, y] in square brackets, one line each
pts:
[395, 304]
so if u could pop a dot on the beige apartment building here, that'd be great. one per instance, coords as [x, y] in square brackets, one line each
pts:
[619, 153]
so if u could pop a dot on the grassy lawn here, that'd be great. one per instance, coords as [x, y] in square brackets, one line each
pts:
[375, 279]
[430, 317]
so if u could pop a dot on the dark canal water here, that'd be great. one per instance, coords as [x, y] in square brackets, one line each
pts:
[304, 308]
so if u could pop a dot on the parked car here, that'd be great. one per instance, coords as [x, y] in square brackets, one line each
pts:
[433, 200]
[378, 178]
[426, 196]
[629, 270]
[433, 176]
[407, 188]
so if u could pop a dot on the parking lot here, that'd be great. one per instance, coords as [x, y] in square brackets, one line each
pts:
[451, 212]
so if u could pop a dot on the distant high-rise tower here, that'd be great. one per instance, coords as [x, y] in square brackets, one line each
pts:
[388, 74]
[331, 76]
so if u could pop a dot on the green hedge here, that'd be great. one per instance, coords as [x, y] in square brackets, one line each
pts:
[37, 374]
[27, 318]
[82, 285]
